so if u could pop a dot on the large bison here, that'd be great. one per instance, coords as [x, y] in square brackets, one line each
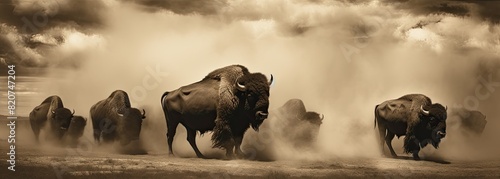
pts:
[75, 130]
[53, 111]
[413, 116]
[227, 101]
[114, 119]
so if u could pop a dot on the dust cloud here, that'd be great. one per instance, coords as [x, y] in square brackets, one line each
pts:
[341, 59]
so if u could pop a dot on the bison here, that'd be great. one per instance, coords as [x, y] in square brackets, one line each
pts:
[114, 119]
[53, 111]
[297, 126]
[415, 117]
[472, 123]
[227, 101]
[75, 130]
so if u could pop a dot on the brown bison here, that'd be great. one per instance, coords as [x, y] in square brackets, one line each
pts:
[227, 101]
[75, 130]
[53, 111]
[114, 119]
[413, 116]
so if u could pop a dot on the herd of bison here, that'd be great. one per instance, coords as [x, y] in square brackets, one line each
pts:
[227, 102]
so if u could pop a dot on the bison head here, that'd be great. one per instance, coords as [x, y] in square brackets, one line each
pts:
[130, 129]
[434, 120]
[313, 117]
[254, 91]
[61, 118]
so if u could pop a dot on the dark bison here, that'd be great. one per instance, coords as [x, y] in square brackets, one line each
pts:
[297, 126]
[114, 120]
[413, 116]
[227, 101]
[75, 130]
[53, 111]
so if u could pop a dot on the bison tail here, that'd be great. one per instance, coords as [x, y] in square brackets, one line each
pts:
[376, 114]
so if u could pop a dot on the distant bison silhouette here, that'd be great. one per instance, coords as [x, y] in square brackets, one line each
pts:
[295, 125]
[471, 123]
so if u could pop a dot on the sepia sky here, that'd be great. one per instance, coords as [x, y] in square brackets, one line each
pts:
[34, 30]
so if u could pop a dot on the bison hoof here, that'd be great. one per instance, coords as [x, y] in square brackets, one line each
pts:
[241, 156]
[416, 157]
[201, 156]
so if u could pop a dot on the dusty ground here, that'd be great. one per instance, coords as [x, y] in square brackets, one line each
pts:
[79, 163]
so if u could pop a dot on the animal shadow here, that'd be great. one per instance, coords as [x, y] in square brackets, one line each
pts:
[427, 158]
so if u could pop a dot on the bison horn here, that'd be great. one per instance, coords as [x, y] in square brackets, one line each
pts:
[446, 108]
[73, 112]
[423, 110]
[53, 112]
[322, 116]
[143, 113]
[241, 87]
[271, 80]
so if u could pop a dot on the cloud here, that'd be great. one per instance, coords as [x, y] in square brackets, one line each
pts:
[32, 30]
[485, 10]
[202, 7]
[31, 16]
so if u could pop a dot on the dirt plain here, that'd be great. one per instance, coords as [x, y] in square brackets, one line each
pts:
[90, 161]
[73, 163]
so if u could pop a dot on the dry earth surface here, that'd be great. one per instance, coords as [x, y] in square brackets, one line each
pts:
[46, 161]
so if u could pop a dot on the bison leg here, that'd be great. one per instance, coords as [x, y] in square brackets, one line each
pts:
[382, 134]
[388, 141]
[97, 135]
[238, 140]
[36, 131]
[191, 137]
[229, 150]
[171, 129]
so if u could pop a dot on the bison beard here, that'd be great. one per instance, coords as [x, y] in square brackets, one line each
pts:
[235, 110]
[222, 136]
